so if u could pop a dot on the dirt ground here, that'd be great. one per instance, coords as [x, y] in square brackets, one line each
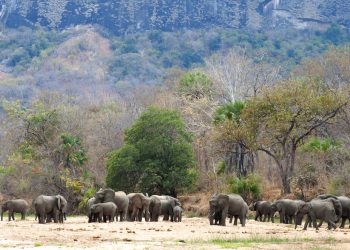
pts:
[191, 233]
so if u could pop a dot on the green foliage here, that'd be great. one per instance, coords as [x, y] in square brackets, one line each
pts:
[248, 187]
[251, 242]
[157, 156]
[220, 168]
[195, 85]
[230, 111]
[89, 193]
[320, 144]
[20, 48]
[72, 150]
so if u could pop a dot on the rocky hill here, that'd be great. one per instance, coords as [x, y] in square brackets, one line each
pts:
[125, 16]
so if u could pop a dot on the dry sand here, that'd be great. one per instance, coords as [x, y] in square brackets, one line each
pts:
[191, 233]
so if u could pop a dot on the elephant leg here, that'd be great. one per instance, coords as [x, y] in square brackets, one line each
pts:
[42, 219]
[331, 225]
[314, 221]
[231, 218]
[235, 223]
[306, 222]
[256, 216]
[281, 217]
[100, 217]
[223, 218]
[242, 220]
[10, 215]
[343, 220]
[139, 215]
[125, 212]
[320, 224]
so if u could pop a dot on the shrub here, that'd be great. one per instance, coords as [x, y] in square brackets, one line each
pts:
[248, 187]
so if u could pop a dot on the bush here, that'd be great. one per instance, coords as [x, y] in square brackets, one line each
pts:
[248, 187]
[87, 195]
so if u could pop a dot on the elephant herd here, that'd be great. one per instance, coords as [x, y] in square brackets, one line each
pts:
[328, 208]
[109, 205]
[47, 208]
[105, 205]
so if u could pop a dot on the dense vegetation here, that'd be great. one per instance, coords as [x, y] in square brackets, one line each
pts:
[231, 110]
[157, 156]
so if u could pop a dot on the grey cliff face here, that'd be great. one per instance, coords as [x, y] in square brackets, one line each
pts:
[121, 16]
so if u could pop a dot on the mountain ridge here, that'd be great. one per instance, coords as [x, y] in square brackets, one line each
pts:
[125, 16]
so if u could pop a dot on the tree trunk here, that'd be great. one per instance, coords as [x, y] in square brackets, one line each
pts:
[285, 183]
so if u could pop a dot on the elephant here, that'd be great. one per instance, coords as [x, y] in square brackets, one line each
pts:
[238, 208]
[262, 208]
[336, 204]
[102, 211]
[89, 204]
[345, 204]
[49, 206]
[155, 208]
[178, 214]
[15, 206]
[168, 204]
[317, 209]
[138, 206]
[62, 212]
[119, 198]
[287, 209]
[218, 209]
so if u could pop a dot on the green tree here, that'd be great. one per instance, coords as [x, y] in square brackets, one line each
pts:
[237, 154]
[281, 118]
[157, 156]
[195, 85]
[72, 152]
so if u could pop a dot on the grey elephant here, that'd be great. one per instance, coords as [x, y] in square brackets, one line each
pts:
[119, 198]
[262, 210]
[15, 206]
[103, 212]
[345, 204]
[168, 204]
[178, 214]
[336, 204]
[238, 208]
[218, 209]
[61, 213]
[287, 209]
[155, 208]
[49, 206]
[138, 206]
[89, 204]
[317, 209]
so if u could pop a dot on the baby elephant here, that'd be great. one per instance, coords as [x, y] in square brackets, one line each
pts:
[15, 206]
[178, 213]
[263, 210]
[103, 211]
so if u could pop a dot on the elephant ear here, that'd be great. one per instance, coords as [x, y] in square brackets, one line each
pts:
[223, 199]
[58, 202]
[109, 195]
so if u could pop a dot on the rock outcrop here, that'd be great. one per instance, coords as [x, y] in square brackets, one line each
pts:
[123, 16]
